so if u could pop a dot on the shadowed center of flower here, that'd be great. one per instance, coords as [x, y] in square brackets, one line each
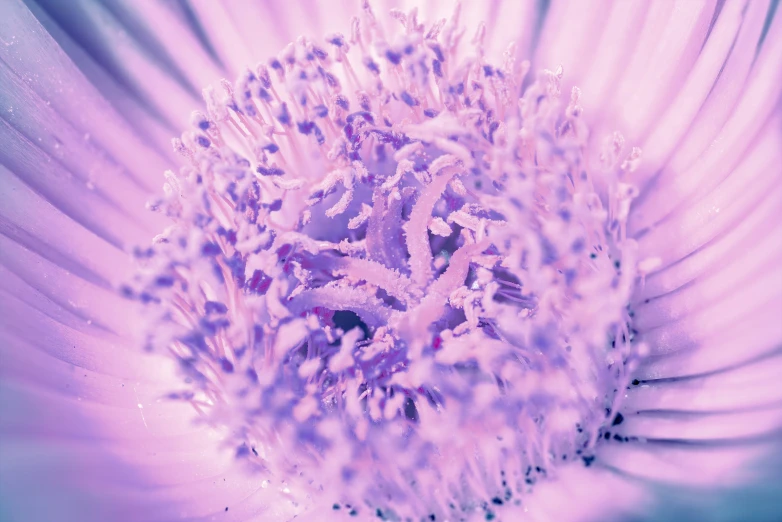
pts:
[397, 288]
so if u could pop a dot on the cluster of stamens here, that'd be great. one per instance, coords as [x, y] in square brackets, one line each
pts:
[391, 280]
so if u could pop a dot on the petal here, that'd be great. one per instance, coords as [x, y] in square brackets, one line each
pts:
[589, 491]
[91, 25]
[222, 34]
[685, 463]
[71, 196]
[163, 30]
[744, 388]
[148, 126]
[70, 94]
[624, 21]
[570, 27]
[734, 35]
[31, 120]
[704, 218]
[753, 114]
[660, 63]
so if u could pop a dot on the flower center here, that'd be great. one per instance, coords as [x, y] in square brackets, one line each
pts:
[400, 289]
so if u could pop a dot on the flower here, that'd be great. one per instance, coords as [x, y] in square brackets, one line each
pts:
[397, 275]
